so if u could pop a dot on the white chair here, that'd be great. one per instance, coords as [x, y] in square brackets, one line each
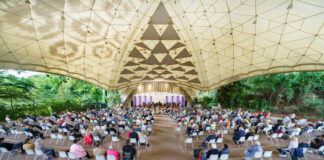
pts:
[257, 155]
[321, 149]
[201, 134]
[133, 141]
[208, 129]
[83, 131]
[111, 157]
[255, 137]
[249, 139]
[60, 137]
[241, 140]
[219, 141]
[53, 137]
[72, 156]
[63, 154]
[114, 139]
[280, 135]
[178, 129]
[273, 136]
[71, 138]
[225, 132]
[100, 157]
[106, 133]
[143, 141]
[188, 140]
[96, 139]
[39, 153]
[267, 154]
[194, 134]
[213, 157]
[29, 152]
[4, 151]
[211, 141]
[224, 157]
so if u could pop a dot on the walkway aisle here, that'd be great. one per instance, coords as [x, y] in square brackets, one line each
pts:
[165, 144]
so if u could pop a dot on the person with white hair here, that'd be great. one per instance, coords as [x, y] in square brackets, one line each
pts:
[49, 152]
[251, 151]
[213, 151]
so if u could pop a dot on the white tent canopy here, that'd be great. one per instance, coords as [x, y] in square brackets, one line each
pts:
[202, 44]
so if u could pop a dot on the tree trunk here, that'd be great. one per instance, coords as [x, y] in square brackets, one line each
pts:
[11, 105]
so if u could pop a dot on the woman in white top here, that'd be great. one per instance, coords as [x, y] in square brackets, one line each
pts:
[293, 143]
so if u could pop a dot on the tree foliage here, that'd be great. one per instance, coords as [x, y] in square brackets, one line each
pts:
[44, 93]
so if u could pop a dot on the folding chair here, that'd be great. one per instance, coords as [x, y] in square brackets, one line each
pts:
[213, 157]
[111, 157]
[143, 141]
[72, 156]
[249, 139]
[241, 140]
[40, 153]
[100, 157]
[224, 157]
[114, 139]
[273, 136]
[188, 140]
[62, 154]
[4, 151]
[257, 155]
[71, 138]
[219, 141]
[321, 149]
[267, 154]
[211, 141]
[29, 152]
[53, 137]
[133, 141]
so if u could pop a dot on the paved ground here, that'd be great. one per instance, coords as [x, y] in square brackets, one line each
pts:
[167, 144]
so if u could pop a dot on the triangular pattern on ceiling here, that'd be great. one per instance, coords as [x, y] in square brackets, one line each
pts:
[178, 69]
[168, 60]
[136, 54]
[135, 77]
[192, 72]
[143, 45]
[161, 16]
[159, 77]
[160, 48]
[131, 63]
[170, 34]
[123, 80]
[151, 60]
[166, 72]
[183, 54]
[147, 78]
[152, 72]
[171, 78]
[160, 68]
[189, 64]
[126, 71]
[177, 45]
[195, 80]
[139, 68]
[183, 78]
[150, 33]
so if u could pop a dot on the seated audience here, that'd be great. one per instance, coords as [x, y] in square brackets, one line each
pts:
[128, 151]
[112, 152]
[238, 134]
[11, 146]
[98, 150]
[318, 142]
[78, 150]
[213, 151]
[47, 151]
[251, 151]
[292, 145]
